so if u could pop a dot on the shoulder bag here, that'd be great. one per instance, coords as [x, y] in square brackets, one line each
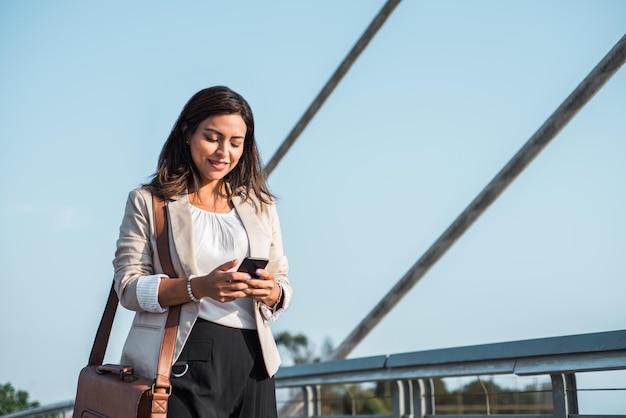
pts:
[114, 391]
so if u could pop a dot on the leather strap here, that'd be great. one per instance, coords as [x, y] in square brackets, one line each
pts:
[161, 388]
[104, 330]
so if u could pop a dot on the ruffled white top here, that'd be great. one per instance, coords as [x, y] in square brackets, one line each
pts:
[217, 238]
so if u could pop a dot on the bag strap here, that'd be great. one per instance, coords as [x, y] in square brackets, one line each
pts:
[161, 388]
[104, 330]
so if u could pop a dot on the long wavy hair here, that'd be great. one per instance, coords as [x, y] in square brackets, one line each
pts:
[176, 172]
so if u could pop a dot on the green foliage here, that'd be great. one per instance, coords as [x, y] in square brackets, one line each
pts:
[353, 400]
[300, 349]
[479, 395]
[297, 346]
[13, 401]
[336, 399]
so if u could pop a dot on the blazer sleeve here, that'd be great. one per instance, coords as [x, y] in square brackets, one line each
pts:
[134, 251]
[278, 263]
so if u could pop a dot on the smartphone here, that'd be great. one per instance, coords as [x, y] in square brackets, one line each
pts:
[249, 265]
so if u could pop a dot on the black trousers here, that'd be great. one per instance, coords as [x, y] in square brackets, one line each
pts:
[221, 374]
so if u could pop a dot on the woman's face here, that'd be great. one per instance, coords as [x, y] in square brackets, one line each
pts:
[217, 145]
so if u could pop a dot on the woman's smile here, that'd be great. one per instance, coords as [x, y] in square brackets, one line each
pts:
[219, 165]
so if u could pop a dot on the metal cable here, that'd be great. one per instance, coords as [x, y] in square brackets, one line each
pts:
[330, 85]
[563, 114]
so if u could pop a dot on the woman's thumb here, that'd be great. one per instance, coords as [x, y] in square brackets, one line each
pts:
[228, 265]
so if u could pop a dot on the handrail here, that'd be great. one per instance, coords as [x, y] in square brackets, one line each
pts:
[52, 410]
[605, 351]
[558, 357]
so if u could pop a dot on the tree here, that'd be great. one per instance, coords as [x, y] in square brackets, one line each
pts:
[337, 399]
[486, 396]
[298, 347]
[13, 401]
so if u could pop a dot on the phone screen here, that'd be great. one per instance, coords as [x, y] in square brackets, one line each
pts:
[249, 265]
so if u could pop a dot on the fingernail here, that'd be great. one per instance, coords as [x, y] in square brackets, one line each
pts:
[258, 272]
[248, 276]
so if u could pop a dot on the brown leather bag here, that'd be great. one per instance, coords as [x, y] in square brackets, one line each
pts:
[114, 391]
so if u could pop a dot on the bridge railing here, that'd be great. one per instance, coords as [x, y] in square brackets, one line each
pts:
[412, 374]
[413, 393]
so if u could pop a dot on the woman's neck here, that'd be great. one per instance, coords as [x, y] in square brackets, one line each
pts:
[211, 197]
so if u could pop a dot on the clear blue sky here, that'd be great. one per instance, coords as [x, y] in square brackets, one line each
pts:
[440, 100]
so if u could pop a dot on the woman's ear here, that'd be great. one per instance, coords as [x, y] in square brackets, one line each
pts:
[186, 133]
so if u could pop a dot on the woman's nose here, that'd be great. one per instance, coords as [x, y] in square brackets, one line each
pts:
[222, 148]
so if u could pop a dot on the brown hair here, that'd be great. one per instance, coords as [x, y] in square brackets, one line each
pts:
[176, 172]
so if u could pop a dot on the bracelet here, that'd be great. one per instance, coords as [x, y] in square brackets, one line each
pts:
[190, 292]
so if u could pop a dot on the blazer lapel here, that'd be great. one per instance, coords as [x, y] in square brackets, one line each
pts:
[249, 218]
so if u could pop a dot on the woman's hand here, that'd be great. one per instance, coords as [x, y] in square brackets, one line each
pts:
[264, 289]
[221, 284]
[224, 285]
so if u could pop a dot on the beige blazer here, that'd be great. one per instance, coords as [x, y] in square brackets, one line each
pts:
[136, 256]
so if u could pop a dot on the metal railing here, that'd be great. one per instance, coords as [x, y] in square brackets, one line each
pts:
[56, 410]
[413, 393]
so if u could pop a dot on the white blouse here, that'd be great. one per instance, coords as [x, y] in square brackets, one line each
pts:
[217, 238]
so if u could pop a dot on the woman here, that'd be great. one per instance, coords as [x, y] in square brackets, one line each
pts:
[219, 212]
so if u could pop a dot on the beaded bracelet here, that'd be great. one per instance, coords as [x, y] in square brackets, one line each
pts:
[190, 292]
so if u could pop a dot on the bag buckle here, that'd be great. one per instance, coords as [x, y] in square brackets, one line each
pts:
[125, 373]
[168, 391]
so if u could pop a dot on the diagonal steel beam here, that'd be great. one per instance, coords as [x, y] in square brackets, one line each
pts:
[330, 85]
[294, 404]
[563, 114]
